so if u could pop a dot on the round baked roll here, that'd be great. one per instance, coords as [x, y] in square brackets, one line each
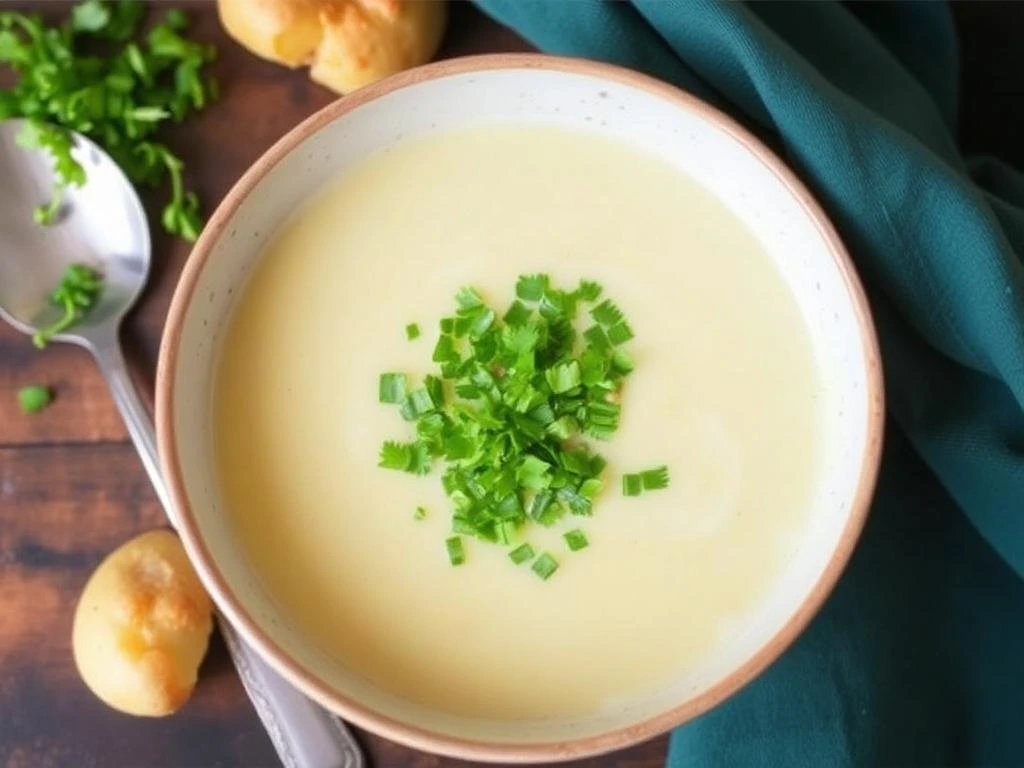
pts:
[346, 43]
[142, 626]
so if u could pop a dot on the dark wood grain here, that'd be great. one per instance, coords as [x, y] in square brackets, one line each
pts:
[72, 489]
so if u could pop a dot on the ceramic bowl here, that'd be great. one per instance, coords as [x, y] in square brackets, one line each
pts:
[617, 103]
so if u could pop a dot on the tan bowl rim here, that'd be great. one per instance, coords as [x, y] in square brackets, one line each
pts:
[418, 738]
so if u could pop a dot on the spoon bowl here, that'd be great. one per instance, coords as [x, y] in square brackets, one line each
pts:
[101, 224]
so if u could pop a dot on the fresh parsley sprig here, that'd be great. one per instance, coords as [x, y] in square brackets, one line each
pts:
[99, 75]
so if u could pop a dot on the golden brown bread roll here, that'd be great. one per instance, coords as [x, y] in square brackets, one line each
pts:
[346, 43]
[142, 626]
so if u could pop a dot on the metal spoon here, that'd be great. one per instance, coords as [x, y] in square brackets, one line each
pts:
[102, 224]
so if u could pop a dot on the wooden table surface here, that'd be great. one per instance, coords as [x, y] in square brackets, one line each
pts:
[72, 488]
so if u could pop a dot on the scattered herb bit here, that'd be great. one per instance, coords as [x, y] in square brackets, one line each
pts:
[632, 485]
[412, 331]
[588, 291]
[648, 480]
[532, 287]
[521, 554]
[575, 539]
[606, 313]
[99, 75]
[655, 479]
[79, 289]
[620, 333]
[545, 566]
[456, 554]
[510, 409]
[419, 514]
[411, 457]
[392, 387]
[34, 398]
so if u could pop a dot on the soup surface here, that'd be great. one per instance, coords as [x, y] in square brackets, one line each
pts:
[724, 393]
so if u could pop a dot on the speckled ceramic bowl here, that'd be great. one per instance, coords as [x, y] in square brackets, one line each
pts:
[634, 109]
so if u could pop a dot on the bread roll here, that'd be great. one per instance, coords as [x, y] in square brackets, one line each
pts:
[346, 43]
[142, 626]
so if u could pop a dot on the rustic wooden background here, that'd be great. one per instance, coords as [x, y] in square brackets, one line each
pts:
[72, 489]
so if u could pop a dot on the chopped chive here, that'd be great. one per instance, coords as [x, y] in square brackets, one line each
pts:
[590, 488]
[392, 387]
[620, 333]
[588, 291]
[632, 485]
[456, 554]
[575, 539]
[521, 554]
[597, 338]
[544, 566]
[606, 313]
[563, 376]
[467, 298]
[533, 473]
[444, 350]
[563, 427]
[648, 480]
[510, 411]
[621, 361]
[655, 479]
[416, 403]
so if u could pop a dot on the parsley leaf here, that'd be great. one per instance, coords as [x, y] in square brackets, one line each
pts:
[96, 75]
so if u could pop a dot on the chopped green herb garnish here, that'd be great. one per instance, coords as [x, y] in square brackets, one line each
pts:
[632, 485]
[521, 554]
[408, 457]
[456, 554]
[102, 75]
[420, 514]
[648, 480]
[34, 398]
[417, 403]
[412, 331]
[655, 479]
[392, 387]
[575, 539]
[395, 455]
[544, 566]
[606, 313]
[509, 408]
[620, 333]
[532, 287]
[79, 290]
[588, 291]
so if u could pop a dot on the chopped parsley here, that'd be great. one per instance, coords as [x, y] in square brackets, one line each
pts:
[100, 75]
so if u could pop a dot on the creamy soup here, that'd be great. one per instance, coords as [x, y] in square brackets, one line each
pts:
[723, 393]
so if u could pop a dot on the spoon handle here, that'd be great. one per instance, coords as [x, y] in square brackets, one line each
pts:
[304, 735]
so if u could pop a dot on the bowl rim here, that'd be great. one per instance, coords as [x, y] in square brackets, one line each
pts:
[413, 736]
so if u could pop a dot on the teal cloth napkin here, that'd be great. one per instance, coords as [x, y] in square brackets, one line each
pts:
[917, 659]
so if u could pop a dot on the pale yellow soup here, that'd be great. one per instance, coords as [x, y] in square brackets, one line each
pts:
[723, 393]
